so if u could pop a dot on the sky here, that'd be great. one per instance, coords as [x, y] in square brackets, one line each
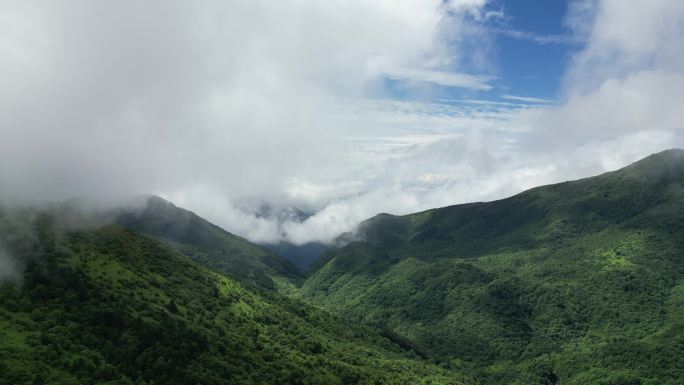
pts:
[340, 108]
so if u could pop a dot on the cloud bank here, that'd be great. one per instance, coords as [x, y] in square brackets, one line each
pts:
[216, 104]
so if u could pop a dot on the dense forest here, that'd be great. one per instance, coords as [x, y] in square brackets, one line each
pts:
[575, 283]
[578, 283]
[107, 305]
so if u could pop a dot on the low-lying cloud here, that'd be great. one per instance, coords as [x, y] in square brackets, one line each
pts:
[10, 269]
[211, 105]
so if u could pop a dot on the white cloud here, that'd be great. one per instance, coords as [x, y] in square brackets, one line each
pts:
[444, 78]
[527, 99]
[210, 104]
[536, 38]
[472, 167]
[630, 76]
[625, 39]
[622, 101]
[126, 97]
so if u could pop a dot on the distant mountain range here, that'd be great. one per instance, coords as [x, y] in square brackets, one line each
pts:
[302, 255]
[577, 283]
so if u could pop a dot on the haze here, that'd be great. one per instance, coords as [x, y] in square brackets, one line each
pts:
[342, 109]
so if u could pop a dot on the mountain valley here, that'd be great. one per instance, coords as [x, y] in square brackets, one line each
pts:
[577, 283]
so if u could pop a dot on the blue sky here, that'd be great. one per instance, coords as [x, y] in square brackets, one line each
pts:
[528, 46]
[528, 67]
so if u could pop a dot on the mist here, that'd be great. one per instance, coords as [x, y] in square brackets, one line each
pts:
[216, 105]
[10, 271]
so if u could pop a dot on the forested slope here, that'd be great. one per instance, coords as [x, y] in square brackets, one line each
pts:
[575, 283]
[191, 235]
[104, 304]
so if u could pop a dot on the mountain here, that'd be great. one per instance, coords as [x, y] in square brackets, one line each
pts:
[579, 282]
[207, 243]
[94, 302]
[301, 256]
[277, 213]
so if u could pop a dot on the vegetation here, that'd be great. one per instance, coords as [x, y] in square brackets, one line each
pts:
[576, 283]
[107, 305]
[208, 244]
[579, 283]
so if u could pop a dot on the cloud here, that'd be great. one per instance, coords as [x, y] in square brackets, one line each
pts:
[164, 96]
[219, 102]
[211, 105]
[621, 101]
[472, 167]
[10, 270]
[443, 78]
[630, 76]
[537, 38]
[624, 40]
[526, 99]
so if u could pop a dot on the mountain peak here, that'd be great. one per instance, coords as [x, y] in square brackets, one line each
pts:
[672, 155]
[668, 164]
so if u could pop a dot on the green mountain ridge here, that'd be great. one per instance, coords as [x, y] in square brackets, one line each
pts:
[577, 283]
[209, 244]
[510, 221]
[574, 283]
[99, 303]
[186, 232]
